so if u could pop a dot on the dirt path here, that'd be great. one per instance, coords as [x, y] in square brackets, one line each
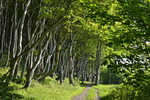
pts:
[85, 93]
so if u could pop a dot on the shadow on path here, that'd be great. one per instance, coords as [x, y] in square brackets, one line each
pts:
[86, 84]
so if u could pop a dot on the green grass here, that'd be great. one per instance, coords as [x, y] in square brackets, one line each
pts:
[104, 91]
[91, 94]
[49, 89]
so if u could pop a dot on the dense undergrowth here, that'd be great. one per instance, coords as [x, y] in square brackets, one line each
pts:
[126, 92]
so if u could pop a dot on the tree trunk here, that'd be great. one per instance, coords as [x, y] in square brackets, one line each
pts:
[98, 63]
[13, 64]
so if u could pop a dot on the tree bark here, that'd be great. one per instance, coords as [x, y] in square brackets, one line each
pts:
[98, 62]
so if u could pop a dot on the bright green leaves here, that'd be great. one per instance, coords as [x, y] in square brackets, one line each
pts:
[46, 12]
[121, 27]
[52, 12]
[53, 9]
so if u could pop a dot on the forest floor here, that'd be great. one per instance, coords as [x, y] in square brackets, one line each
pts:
[84, 95]
[50, 89]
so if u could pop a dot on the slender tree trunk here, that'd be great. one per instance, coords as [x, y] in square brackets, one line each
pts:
[56, 60]
[93, 72]
[109, 78]
[98, 63]
[13, 64]
[71, 61]
[9, 46]
[30, 71]
[17, 67]
[1, 30]
[25, 65]
[61, 67]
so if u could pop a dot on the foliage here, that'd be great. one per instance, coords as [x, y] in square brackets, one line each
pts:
[128, 92]
[130, 42]
[109, 77]
[3, 71]
[74, 38]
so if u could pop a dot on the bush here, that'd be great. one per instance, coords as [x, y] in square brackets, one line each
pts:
[128, 92]
[123, 93]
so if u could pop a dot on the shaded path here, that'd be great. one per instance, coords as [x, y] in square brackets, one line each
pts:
[85, 93]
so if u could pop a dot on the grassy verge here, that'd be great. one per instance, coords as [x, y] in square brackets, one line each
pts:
[49, 89]
[104, 91]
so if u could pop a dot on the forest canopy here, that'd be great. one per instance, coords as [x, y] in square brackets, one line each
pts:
[76, 39]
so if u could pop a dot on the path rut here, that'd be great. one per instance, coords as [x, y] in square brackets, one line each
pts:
[85, 93]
